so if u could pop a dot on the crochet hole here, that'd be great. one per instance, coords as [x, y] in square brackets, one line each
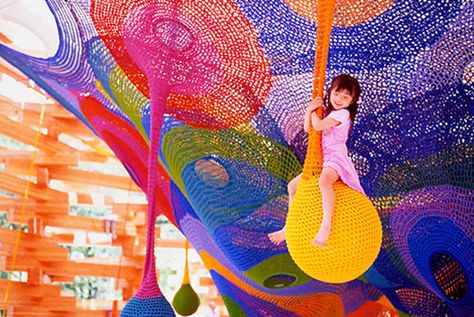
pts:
[211, 173]
[174, 34]
[279, 281]
[449, 276]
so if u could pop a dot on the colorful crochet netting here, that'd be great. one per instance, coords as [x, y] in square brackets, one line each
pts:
[217, 90]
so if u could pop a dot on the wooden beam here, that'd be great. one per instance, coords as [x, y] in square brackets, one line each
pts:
[71, 126]
[29, 112]
[33, 109]
[142, 235]
[23, 265]
[19, 167]
[17, 186]
[206, 281]
[56, 117]
[171, 243]
[127, 210]
[89, 200]
[7, 108]
[14, 205]
[68, 268]
[73, 268]
[42, 177]
[36, 226]
[46, 143]
[35, 275]
[122, 210]
[56, 303]
[43, 159]
[93, 178]
[39, 312]
[88, 224]
[40, 254]
[5, 39]
[92, 156]
[8, 236]
[63, 238]
[21, 289]
[61, 279]
[135, 262]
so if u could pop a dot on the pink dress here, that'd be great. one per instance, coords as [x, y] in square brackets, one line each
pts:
[335, 153]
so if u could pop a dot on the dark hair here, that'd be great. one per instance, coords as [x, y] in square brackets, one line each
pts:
[344, 82]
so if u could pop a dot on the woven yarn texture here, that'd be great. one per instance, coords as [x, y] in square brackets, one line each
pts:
[203, 102]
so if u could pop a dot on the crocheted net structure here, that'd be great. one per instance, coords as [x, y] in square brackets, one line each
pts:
[203, 102]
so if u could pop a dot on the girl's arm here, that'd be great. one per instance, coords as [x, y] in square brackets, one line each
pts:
[315, 104]
[311, 118]
[322, 124]
[307, 120]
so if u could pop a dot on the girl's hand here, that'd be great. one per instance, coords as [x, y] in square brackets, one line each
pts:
[315, 104]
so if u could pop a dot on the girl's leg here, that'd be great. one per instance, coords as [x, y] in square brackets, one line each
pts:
[278, 237]
[326, 182]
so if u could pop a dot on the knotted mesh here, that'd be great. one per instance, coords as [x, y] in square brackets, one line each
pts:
[233, 78]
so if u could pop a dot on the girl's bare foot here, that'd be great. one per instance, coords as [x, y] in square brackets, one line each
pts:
[322, 237]
[277, 237]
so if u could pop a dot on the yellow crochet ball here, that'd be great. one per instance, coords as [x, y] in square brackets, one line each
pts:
[354, 241]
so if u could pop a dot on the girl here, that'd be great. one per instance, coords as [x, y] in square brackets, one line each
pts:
[339, 114]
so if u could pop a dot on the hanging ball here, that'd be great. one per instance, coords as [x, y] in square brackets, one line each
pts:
[354, 240]
[186, 301]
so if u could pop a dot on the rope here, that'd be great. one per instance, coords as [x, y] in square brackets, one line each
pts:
[23, 207]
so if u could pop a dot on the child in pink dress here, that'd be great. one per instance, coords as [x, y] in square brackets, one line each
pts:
[339, 114]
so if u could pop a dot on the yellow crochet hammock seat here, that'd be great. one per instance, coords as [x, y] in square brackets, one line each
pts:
[356, 233]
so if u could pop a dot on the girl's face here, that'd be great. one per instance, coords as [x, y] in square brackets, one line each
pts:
[340, 99]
